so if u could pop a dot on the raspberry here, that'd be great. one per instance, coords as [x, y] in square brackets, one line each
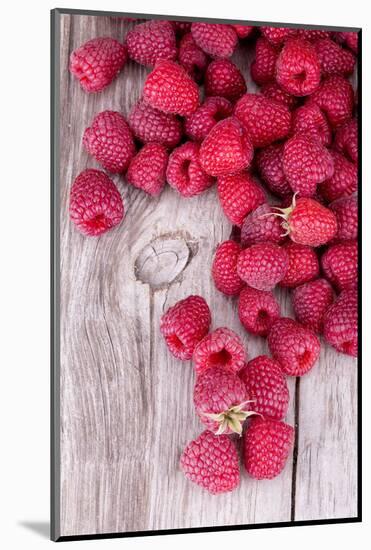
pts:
[340, 323]
[263, 68]
[109, 140]
[310, 302]
[181, 27]
[151, 125]
[272, 90]
[262, 265]
[184, 325]
[310, 120]
[266, 387]
[344, 180]
[270, 165]
[199, 124]
[309, 222]
[259, 226]
[306, 163]
[97, 63]
[298, 69]
[212, 462]
[333, 58]
[192, 58]
[221, 348]
[170, 88]
[277, 35]
[147, 169]
[257, 310]
[227, 149]
[336, 98]
[303, 265]
[243, 31]
[346, 212]
[295, 347]
[224, 79]
[267, 445]
[350, 39]
[239, 195]
[265, 120]
[214, 39]
[340, 265]
[346, 140]
[184, 172]
[312, 34]
[151, 41]
[224, 268]
[95, 203]
[220, 401]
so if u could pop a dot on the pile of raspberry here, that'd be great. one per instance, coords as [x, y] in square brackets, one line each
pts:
[284, 164]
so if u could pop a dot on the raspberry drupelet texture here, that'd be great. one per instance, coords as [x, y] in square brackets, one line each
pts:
[277, 35]
[215, 39]
[147, 170]
[346, 140]
[346, 212]
[340, 265]
[269, 162]
[266, 387]
[224, 79]
[184, 172]
[267, 445]
[260, 226]
[95, 203]
[239, 195]
[310, 302]
[184, 325]
[344, 180]
[192, 58]
[243, 31]
[263, 68]
[262, 265]
[110, 141]
[340, 323]
[333, 58]
[224, 268]
[295, 347]
[298, 68]
[310, 120]
[257, 310]
[335, 97]
[151, 41]
[199, 124]
[303, 265]
[151, 125]
[212, 462]
[221, 348]
[97, 63]
[272, 90]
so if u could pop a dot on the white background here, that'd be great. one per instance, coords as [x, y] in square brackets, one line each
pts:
[24, 303]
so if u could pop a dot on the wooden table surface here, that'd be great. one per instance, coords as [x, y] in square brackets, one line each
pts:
[126, 403]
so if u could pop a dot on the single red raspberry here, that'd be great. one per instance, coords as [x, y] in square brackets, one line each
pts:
[266, 387]
[310, 120]
[306, 163]
[184, 325]
[192, 58]
[184, 172]
[220, 400]
[298, 69]
[295, 347]
[224, 79]
[340, 323]
[277, 35]
[264, 119]
[308, 222]
[310, 302]
[199, 124]
[110, 141]
[303, 265]
[243, 31]
[263, 265]
[340, 265]
[95, 203]
[335, 97]
[221, 348]
[263, 68]
[215, 39]
[313, 34]
[151, 125]
[260, 226]
[227, 149]
[257, 310]
[170, 88]
[344, 180]
[333, 58]
[349, 38]
[147, 170]
[239, 195]
[224, 268]
[151, 41]
[346, 212]
[212, 462]
[346, 140]
[97, 63]
[272, 90]
[269, 162]
[267, 445]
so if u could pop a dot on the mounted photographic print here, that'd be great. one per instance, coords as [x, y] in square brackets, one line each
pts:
[205, 200]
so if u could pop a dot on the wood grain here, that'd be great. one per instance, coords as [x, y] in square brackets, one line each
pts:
[126, 403]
